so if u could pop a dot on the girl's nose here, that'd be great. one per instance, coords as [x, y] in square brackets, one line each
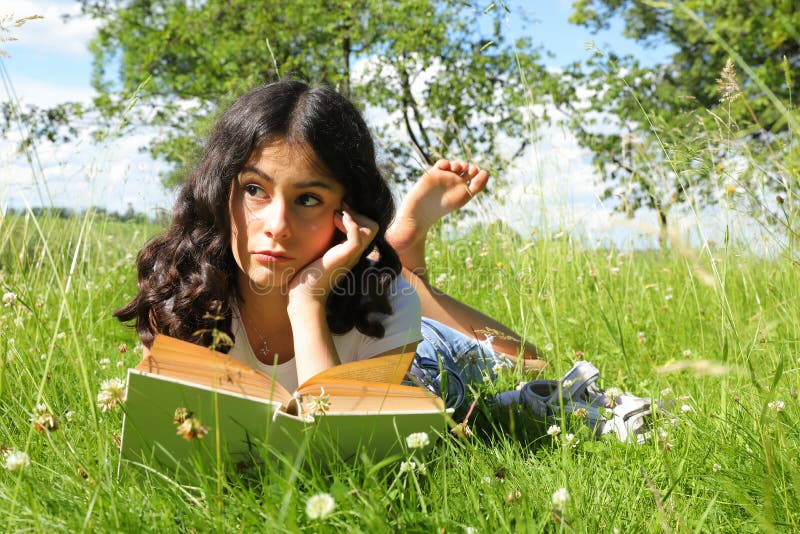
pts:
[276, 222]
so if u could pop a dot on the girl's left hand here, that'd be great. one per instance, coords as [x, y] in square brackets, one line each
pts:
[317, 279]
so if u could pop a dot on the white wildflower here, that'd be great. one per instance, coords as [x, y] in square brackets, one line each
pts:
[16, 460]
[9, 298]
[548, 347]
[104, 363]
[666, 392]
[417, 440]
[716, 467]
[112, 392]
[570, 440]
[685, 408]
[553, 430]
[319, 506]
[317, 406]
[408, 467]
[441, 279]
[777, 405]
[560, 498]
[687, 352]
[61, 336]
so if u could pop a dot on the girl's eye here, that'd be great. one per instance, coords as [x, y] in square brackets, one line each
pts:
[308, 200]
[255, 191]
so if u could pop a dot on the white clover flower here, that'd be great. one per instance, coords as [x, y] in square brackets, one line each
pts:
[104, 363]
[417, 440]
[560, 497]
[112, 392]
[685, 408]
[520, 386]
[613, 392]
[666, 392]
[317, 406]
[441, 279]
[16, 460]
[498, 368]
[570, 440]
[548, 347]
[716, 467]
[553, 430]
[777, 406]
[61, 336]
[408, 467]
[319, 506]
[687, 352]
[9, 298]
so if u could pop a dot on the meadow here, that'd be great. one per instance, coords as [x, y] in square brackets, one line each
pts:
[713, 334]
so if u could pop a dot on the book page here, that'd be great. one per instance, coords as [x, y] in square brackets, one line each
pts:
[185, 361]
[367, 397]
[390, 369]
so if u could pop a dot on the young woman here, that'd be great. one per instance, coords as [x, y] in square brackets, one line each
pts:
[279, 240]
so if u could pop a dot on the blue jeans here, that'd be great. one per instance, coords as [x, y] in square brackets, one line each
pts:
[448, 362]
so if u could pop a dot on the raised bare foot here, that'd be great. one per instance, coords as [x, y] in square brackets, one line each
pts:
[445, 187]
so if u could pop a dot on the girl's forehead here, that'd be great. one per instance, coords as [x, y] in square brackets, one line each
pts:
[283, 152]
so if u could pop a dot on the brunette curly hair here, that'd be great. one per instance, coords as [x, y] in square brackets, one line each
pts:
[188, 275]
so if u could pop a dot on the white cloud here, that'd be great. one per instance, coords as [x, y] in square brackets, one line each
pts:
[82, 174]
[46, 94]
[51, 34]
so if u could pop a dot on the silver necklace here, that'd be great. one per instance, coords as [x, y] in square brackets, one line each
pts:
[263, 350]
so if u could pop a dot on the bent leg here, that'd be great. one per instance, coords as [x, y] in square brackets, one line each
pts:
[472, 323]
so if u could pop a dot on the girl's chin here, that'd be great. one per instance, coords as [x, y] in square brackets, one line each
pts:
[266, 281]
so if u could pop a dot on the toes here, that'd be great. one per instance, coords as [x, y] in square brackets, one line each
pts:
[443, 164]
[478, 182]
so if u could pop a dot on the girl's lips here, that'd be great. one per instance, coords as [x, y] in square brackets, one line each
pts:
[270, 257]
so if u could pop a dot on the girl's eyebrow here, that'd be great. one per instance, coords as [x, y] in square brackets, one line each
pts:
[297, 185]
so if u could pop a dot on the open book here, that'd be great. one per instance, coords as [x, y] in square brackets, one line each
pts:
[189, 402]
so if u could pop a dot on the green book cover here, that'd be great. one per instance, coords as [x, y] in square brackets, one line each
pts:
[240, 428]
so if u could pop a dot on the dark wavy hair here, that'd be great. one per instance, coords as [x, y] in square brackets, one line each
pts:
[188, 276]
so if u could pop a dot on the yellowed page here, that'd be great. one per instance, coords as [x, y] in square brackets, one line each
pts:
[389, 369]
[185, 361]
[366, 397]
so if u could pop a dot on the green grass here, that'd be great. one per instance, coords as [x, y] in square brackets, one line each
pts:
[731, 463]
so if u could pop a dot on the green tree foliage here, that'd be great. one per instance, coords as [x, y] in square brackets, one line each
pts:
[444, 71]
[693, 131]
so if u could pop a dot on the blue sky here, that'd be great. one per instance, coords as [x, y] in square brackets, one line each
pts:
[49, 63]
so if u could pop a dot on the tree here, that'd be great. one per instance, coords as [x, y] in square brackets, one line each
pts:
[443, 70]
[694, 131]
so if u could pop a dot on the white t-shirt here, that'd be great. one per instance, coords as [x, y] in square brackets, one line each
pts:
[401, 328]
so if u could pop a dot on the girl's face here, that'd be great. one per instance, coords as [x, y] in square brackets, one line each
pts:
[282, 215]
